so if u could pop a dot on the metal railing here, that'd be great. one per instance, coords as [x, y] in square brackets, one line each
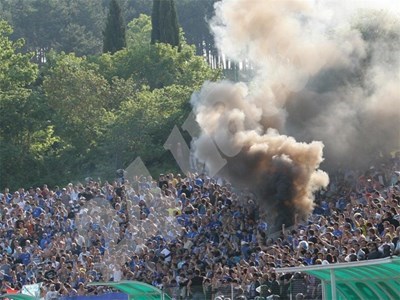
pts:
[299, 286]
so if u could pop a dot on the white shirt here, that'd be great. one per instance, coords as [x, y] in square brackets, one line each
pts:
[52, 295]
[166, 252]
[117, 274]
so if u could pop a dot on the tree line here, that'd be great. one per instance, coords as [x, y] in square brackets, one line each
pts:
[77, 25]
[69, 111]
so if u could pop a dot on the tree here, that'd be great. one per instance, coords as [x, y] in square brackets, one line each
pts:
[165, 28]
[193, 17]
[79, 97]
[114, 33]
[77, 26]
[89, 115]
[16, 72]
[24, 137]
[69, 26]
[138, 33]
[144, 123]
[160, 65]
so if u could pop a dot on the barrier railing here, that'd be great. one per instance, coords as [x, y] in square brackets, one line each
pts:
[293, 286]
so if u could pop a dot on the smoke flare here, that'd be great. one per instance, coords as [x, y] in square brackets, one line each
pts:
[325, 71]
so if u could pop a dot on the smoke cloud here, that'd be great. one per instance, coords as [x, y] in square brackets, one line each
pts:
[326, 73]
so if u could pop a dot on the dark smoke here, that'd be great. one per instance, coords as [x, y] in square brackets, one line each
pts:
[282, 173]
[271, 179]
[326, 71]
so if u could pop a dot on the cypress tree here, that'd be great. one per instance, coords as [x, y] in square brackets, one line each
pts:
[155, 24]
[164, 21]
[114, 38]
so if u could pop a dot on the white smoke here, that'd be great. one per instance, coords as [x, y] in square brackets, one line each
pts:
[325, 71]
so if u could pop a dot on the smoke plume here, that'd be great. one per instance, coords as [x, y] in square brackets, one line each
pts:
[326, 73]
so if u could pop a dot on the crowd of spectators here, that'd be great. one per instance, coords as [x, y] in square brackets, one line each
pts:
[192, 236]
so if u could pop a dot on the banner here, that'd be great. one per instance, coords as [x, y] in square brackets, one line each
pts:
[109, 296]
[32, 290]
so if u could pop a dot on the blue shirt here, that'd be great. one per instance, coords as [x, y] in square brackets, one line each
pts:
[37, 212]
[25, 257]
[337, 232]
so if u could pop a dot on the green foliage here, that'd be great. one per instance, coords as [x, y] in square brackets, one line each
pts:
[69, 26]
[16, 72]
[193, 17]
[149, 116]
[16, 75]
[79, 98]
[114, 33]
[155, 21]
[77, 39]
[77, 25]
[155, 65]
[88, 116]
[165, 28]
[160, 65]
[138, 33]
[42, 142]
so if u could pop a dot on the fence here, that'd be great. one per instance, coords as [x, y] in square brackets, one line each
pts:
[289, 286]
